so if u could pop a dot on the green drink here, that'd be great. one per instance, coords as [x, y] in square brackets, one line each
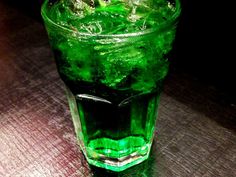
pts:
[112, 57]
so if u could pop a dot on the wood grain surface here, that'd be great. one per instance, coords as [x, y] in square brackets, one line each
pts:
[195, 134]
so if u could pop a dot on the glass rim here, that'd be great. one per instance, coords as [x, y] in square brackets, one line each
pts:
[159, 27]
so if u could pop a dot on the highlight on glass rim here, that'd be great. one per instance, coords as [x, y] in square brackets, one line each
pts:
[112, 58]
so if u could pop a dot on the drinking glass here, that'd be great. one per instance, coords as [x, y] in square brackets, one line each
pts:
[112, 57]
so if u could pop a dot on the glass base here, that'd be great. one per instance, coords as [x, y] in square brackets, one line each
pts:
[115, 159]
[113, 165]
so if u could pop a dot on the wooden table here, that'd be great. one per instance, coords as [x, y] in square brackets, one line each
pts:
[195, 134]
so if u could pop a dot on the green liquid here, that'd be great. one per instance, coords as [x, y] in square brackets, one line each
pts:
[113, 83]
[112, 133]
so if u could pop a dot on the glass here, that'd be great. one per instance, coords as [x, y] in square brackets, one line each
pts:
[112, 57]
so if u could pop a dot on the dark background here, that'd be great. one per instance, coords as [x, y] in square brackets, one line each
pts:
[204, 43]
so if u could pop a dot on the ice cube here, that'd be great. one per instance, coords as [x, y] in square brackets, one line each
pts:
[79, 65]
[118, 62]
